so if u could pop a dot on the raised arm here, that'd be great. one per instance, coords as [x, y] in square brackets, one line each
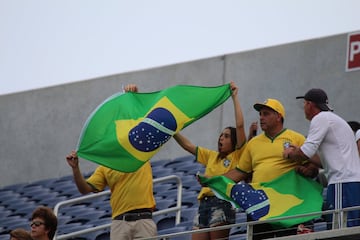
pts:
[252, 130]
[79, 179]
[239, 119]
[185, 143]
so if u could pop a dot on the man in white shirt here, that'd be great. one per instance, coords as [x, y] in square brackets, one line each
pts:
[334, 139]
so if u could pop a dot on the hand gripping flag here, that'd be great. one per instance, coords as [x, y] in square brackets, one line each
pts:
[127, 129]
[288, 195]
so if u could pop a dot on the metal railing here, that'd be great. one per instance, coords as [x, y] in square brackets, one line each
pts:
[176, 209]
[339, 221]
[337, 229]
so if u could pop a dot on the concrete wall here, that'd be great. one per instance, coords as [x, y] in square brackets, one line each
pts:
[38, 128]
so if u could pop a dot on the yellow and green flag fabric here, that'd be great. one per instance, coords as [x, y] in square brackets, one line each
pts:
[288, 195]
[127, 129]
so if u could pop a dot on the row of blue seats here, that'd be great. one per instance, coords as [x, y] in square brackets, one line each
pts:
[19, 200]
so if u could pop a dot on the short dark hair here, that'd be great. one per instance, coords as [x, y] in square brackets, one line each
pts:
[354, 125]
[49, 218]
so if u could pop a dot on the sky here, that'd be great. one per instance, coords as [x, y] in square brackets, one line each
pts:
[46, 43]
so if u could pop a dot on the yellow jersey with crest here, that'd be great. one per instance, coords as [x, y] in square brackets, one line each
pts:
[215, 165]
[263, 155]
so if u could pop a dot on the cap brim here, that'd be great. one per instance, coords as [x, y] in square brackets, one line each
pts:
[259, 106]
[299, 97]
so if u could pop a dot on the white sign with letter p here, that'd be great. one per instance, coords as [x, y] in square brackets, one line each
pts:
[353, 52]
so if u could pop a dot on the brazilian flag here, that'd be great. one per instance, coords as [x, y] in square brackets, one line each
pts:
[288, 195]
[127, 129]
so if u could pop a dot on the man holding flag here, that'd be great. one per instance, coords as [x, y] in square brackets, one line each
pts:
[132, 200]
[122, 134]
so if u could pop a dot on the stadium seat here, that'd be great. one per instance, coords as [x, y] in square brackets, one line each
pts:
[72, 227]
[320, 226]
[187, 158]
[162, 187]
[25, 211]
[165, 222]
[14, 187]
[175, 229]
[188, 214]
[4, 236]
[103, 236]
[165, 203]
[63, 219]
[240, 236]
[162, 172]
[4, 213]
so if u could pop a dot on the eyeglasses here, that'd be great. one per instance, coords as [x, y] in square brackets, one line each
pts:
[36, 223]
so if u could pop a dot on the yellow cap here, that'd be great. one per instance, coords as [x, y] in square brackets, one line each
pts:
[273, 104]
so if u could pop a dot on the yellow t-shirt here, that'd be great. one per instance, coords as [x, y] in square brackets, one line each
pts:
[216, 166]
[129, 191]
[263, 156]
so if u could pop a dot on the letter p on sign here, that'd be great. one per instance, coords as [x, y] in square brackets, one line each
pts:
[353, 52]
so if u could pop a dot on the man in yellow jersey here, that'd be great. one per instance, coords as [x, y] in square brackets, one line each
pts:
[263, 157]
[132, 200]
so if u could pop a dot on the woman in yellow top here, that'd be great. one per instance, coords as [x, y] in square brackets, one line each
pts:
[212, 211]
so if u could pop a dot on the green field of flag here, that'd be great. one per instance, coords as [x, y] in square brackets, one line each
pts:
[127, 129]
[288, 195]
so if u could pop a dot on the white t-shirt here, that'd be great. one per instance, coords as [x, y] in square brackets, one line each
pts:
[334, 139]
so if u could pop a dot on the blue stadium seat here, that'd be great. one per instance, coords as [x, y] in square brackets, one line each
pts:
[101, 221]
[164, 222]
[15, 187]
[240, 236]
[188, 158]
[177, 164]
[25, 224]
[169, 194]
[175, 229]
[187, 224]
[25, 211]
[76, 210]
[103, 236]
[10, 221]
[4, 236]
[188, 214]
[5, 213]
[161, 172]
[162, 187]
[72, 227]
[63, 219]
[90, 216]
[161, 162]
[320, 226]
[51, 201]
[7, 197]
[165, 203]
[102, 205]
[46, 183]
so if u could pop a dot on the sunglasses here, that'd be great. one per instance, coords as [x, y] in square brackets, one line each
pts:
[36, 223]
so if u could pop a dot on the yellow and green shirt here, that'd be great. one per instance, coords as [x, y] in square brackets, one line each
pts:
[129, 191]
[263, 156]
[216, 166]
